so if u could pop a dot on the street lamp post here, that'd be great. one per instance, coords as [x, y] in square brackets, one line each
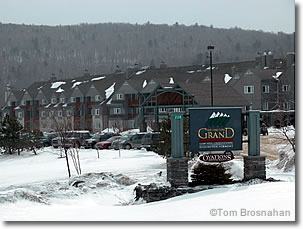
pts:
[210, 48]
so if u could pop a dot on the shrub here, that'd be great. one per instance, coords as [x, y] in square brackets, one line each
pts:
[208, 174]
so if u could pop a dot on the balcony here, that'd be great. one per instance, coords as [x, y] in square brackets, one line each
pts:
[133, 102]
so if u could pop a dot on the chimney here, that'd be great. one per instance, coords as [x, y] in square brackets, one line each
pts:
[270, 59]
[7, 92]
[290, 59]
[117, 69]
[86, 72]
[53, 78]
[233, 68]
[163, 64]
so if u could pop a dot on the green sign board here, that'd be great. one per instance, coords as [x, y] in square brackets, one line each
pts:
[215, 129]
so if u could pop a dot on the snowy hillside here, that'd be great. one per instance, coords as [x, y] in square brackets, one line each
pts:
[36, 187]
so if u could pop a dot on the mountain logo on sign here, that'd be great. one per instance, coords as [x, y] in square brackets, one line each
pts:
[217, 119]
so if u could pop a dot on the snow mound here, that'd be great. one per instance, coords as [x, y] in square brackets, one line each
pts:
[286, 161]
[47, 192]
[21, 194]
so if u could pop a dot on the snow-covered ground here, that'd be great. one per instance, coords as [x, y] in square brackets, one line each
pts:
[37, 188]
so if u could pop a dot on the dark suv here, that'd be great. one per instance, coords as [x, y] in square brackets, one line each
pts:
[46, 140]
[150, 140]
[72, 139]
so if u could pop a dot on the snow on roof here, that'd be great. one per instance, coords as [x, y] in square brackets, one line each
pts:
[109, 91]
[277, 75]
[227, 78]
[190, 72]
[57, 84]
[98, 78]
[60, 90]
[171, 80]
[209, 68]
[140, 72]
[76, 84]
[144, 83]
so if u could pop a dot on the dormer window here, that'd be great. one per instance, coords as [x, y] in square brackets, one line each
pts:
[9, 103]
[62, 100]
[119, 96]
[54, 100]
[72, 99]
[43, 101]
[23, 102]
[97, 98]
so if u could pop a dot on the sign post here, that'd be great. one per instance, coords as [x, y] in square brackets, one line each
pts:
[254, 164]
[177, 164]
[177, 137]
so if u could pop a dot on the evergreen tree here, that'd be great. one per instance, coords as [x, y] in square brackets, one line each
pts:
[11, 130]
[208, 174]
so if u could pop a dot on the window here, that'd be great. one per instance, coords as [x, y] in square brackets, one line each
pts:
[42, 114]
[177, 109]
[265, 106]
[162, 110]
[117, 110]
[97, 98]
[286, 106]
[249, 89]
[285, 88]
[119, 96]
[265, 88]
[43, 101]
[62, 100]
[59, 113]
[51, 113]
[68, 113]
[20, 115]
[72, 99]
[97, 111]
[54, 100]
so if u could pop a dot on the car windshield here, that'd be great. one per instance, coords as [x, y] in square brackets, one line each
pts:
[126, 137]
[112, 139]
[96, 136]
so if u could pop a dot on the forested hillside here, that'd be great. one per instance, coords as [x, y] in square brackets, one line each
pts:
[31, 53]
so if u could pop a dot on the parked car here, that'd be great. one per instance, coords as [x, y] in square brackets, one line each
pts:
[46, 140]
[263, 130]
[91, 142]
[72, 139]
[150, 140]
[129, 141]
[107, 143]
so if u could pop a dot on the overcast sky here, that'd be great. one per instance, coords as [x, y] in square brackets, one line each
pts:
[266, 15]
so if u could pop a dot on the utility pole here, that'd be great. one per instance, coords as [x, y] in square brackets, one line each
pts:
[210, 48]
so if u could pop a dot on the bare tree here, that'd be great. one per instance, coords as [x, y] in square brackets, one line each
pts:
[62, 128]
